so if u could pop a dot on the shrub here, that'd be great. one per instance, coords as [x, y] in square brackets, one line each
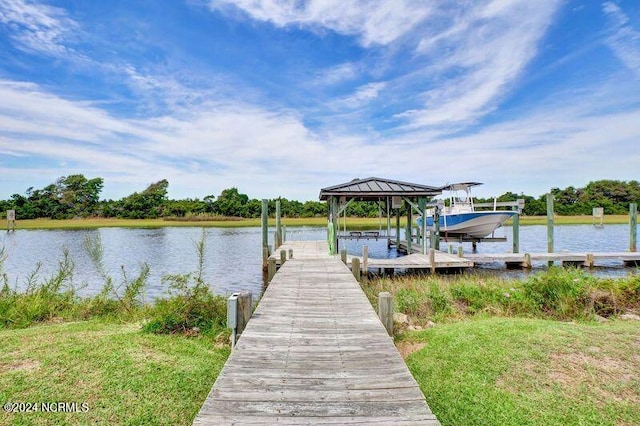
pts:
[191, 307]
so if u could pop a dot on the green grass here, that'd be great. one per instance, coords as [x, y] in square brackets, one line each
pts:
[558, 293]
[515, 371]
[222, 222]
[125, 376]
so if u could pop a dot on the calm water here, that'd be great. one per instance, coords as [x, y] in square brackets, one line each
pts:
[233, 256]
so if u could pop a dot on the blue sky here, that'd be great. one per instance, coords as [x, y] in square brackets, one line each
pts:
[284, 97]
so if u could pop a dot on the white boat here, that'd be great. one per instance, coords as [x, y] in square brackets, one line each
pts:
[461, 219]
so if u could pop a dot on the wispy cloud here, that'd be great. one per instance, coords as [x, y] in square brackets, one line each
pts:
[264, 151]
[483, 51]
[338, 74]
[624, 39]
[379, 22]
[40, 28]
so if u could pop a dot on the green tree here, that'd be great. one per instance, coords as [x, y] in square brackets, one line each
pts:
[230, 202]
[149, 203]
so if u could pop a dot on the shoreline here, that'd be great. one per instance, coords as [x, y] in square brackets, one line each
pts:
[353, 223]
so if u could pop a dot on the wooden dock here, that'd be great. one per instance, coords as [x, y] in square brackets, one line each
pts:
[315, 352]
[526, 260]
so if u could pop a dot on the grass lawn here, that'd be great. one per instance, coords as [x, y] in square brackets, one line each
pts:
[123, 375]
[514, 371]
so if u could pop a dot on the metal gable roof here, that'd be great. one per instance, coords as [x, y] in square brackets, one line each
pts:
[374, 187]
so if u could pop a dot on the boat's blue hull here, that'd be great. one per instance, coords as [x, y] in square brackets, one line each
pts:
[472, 224]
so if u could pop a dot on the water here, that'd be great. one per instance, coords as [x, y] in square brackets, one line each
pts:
[233, 255]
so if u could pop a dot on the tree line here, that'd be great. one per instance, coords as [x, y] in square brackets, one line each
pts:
[76, 196]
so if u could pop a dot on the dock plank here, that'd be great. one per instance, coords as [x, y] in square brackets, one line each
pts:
[315, 353]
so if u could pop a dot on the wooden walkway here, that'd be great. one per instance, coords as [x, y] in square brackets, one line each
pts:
[315, 353]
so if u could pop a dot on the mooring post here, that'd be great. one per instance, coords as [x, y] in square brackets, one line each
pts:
[633, 227]
[385, 310]
[516, 230]
[290, 254]
[278, 239]
[343, 255]
[460, 251]
[265, 232]
[550, 225]
[271, 269]
[355, 268]
[283, 257]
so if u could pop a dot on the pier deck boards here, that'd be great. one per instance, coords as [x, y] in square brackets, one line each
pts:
[315, 352]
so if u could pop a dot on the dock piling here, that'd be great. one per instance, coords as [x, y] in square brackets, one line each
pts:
[516, 229]
[550, 225]
[633, 227]
[278, 238]
[265, 232]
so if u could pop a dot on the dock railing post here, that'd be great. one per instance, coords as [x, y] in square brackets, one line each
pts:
[365, 263]
[238, 314]
[385, 310]
[244, 311]
[355, 268]
[283, 257]
[265, 232]
[271, 269]
[278, 239]
[633, 227]
[550, 225]
[343, 255]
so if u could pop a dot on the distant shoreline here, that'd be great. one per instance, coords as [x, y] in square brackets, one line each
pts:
[353, 223]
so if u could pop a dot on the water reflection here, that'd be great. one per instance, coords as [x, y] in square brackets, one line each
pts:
[233, 255]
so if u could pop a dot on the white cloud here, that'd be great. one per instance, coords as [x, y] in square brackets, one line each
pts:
[624, 40]
[483, 52]
[338, 74]
[266, 153]
[38, 27]
[376, 22]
